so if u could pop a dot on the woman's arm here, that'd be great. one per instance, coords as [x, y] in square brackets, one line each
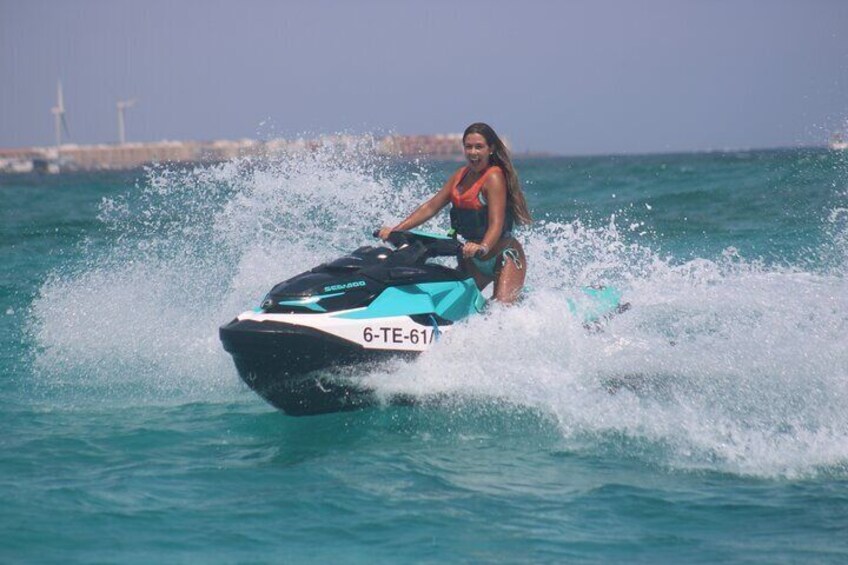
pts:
[426, 211]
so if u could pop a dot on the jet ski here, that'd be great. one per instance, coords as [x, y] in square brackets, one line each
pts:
[313, 334]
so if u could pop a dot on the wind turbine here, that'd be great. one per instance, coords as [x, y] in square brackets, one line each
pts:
[59, 115]
[122, 106]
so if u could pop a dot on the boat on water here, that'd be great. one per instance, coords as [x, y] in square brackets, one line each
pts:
[839, 140]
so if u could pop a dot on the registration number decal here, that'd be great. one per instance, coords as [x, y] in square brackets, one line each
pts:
[398, 336]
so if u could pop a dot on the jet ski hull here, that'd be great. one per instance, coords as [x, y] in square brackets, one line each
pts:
[300, 370]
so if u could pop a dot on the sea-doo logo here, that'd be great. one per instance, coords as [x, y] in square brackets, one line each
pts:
[346, 286]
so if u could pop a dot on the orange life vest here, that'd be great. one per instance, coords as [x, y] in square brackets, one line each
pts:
[470, 213]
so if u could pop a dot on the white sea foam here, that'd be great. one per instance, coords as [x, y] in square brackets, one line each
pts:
[722, 364]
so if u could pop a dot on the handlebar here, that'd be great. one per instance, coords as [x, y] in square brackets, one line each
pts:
[433, 244]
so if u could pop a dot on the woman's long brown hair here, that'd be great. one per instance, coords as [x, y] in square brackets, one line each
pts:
[500, 157]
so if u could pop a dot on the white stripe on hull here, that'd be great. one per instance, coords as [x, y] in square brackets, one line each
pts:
[394, 333]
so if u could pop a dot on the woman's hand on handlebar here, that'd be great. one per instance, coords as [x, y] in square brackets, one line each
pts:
[472, 249]
[383, 233]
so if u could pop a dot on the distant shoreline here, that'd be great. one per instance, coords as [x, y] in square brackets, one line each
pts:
[129, 156]
[73, 157]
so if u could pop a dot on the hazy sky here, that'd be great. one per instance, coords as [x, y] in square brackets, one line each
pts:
[570, 77]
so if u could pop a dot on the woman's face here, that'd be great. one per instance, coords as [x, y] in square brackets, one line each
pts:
[477, 151]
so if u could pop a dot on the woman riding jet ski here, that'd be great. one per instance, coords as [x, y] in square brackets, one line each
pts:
[486, 202]
[377, 302]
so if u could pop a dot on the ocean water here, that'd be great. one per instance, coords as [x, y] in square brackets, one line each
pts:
[706, 424]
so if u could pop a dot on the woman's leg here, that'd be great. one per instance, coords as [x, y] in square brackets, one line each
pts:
[510, 277]
[480, 279]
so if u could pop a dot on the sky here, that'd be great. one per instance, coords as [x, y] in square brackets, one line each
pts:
[567, 77]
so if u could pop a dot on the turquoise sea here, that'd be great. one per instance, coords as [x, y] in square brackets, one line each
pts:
[707, 424]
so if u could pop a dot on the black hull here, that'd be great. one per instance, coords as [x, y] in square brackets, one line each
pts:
[301, 371]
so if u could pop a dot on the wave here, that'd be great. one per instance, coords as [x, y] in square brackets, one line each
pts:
[722, 364]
